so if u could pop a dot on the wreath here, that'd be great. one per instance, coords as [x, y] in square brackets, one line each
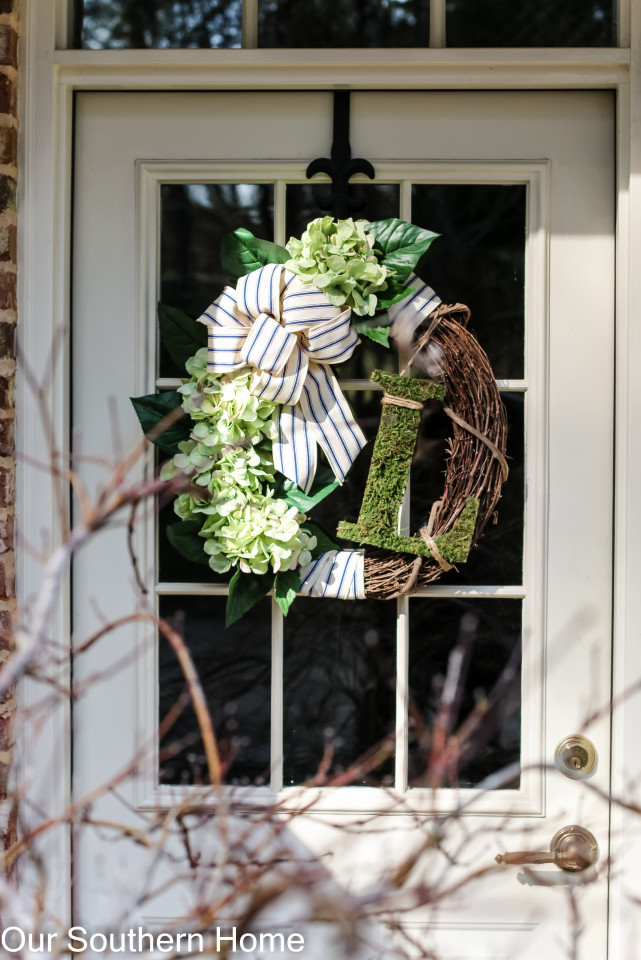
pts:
[260, 398]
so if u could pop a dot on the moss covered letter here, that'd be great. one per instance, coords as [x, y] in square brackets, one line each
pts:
[377, 522]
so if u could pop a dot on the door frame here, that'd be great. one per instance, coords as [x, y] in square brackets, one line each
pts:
[49, 77]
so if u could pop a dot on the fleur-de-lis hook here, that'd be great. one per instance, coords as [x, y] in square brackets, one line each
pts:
[340, 167]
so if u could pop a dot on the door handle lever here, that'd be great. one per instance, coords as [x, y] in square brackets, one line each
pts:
[572, 848]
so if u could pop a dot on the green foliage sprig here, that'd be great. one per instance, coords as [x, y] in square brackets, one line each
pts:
[248, 518]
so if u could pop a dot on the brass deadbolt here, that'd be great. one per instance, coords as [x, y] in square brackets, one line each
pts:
[576, 757]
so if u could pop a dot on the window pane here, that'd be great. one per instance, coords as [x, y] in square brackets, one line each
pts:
[194, 219]
[122, 24]
[234, 666]
[485, 716]
[479, 260]
[381, 202]
[344, 502]
[367, 357]
[524, 23]
[498, 557]
[339, 695]
[343, 23]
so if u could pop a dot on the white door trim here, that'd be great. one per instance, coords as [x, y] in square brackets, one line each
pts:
[48, 81]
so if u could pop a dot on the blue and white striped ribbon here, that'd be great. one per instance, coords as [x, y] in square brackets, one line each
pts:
[407, 314]
[290, 333]
[337, 573]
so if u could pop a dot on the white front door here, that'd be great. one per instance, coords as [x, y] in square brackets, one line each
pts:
[521, 187]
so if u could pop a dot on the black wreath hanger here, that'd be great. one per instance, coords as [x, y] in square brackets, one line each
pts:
[340, 167]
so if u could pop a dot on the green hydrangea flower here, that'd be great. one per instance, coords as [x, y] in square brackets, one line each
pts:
[228, 412]
[337, 257]
[229, 455]
[257, 537]
[229, 474]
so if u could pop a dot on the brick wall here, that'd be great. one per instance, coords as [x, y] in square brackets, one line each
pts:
[8, 317]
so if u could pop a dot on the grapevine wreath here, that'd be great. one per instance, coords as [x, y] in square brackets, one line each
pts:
[260, 397]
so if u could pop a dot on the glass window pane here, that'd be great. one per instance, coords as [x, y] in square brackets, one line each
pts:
[234, 666]
[343, 23]
[523, 23]
[479, 260]
[339, 697]
[381, 202]
[344, 502]
[498, 557]
[482, 728]
[157, 24]
[368, 356]
[194, 219]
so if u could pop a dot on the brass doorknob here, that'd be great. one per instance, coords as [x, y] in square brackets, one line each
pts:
[572, 848]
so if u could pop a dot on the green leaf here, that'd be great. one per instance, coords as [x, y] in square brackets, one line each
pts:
[324, 542]
[394, 292]
[184, 538]
[403, 245]
[152, 410]
[323, 477]
[286, 586]
[245, 591]
[179, 334]
[242, 253]
[377, 334]
[324, 483]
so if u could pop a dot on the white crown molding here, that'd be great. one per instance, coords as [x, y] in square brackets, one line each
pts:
[330, 69]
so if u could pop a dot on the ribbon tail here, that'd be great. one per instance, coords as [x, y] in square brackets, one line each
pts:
[326, 411]
[294, 450]
[407, 314]
[337, 573]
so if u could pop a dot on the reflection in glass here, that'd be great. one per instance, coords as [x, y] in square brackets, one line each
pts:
[521, 23]
[339, 695]
[498, 557]
[157, 24]
[483, 727]
[345, 501]
[234, 666]
[368, 356]
[343, 23]
[381, 202]
[194, 219]
[479, 260]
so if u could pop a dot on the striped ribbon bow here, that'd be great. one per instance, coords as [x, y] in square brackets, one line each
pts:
[290, 333]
